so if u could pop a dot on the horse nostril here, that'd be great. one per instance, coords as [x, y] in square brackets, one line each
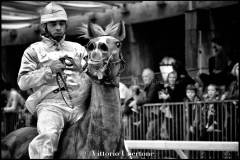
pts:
[103, 47]
[96, 56]
[91, 46]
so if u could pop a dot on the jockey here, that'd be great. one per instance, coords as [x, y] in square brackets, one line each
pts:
[52, 67]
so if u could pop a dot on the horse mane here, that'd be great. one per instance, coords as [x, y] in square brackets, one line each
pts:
[110, 30]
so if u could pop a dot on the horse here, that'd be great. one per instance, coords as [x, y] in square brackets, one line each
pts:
[99, 133]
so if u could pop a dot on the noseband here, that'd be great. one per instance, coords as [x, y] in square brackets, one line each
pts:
[109, 79]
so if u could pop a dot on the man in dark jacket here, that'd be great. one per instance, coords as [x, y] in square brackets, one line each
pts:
[151, 88]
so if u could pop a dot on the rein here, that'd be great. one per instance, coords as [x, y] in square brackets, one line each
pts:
[59, 75]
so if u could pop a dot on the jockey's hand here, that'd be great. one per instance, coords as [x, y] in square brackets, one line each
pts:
[57, 66]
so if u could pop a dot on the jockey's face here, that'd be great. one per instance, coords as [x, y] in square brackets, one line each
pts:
[56, 29]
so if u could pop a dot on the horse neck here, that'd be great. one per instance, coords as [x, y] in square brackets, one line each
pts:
[105, 99]
[105, 111]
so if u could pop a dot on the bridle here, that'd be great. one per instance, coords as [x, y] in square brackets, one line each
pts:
[108, 64]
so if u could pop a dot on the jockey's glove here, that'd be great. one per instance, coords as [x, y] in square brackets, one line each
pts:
[57, 66]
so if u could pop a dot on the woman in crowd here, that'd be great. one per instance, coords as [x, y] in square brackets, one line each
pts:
[172, 91]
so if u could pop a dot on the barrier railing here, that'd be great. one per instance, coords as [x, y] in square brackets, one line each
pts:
[14, 120]
[215, 122]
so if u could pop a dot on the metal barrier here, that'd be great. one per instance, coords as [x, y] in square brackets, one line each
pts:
[14, 120]
[185, 122]
[9, 122]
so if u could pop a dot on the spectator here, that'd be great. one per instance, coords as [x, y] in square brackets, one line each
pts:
[199, 86]
[135, 94]
[169, 64]
[213, 116]
[193, 116]
[176, 94]
[132, 113]
[12, 110]
[232, 118]
[192, 113]
[172, 91]
[233, 91]
[151, 87]
[213, 113]
[212, 93]
[15, 101]
[219, 65]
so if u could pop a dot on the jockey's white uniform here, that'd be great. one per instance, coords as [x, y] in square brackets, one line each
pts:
[36, 74]
[49, 105]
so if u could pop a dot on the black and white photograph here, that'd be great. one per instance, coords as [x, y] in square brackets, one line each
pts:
[120, 79]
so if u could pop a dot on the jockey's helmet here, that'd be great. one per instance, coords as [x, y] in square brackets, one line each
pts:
[53, 12]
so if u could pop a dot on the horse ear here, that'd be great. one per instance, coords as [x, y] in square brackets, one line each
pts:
[121, 33]
[94, 30]
[90, 30]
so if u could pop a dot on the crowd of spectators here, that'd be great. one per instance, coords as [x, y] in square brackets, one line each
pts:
[177, 87]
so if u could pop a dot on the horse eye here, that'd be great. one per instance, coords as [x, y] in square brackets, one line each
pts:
[91, 46]
[118, 44]
[103, 47]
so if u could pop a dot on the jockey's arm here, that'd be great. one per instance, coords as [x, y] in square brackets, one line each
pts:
[29, 75]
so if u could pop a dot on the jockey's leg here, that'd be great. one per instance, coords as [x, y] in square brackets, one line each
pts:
[50, 125]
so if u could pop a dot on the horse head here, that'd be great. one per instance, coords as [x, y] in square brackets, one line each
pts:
[104, 60]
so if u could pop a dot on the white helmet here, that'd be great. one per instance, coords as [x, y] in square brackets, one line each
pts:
[53, 12]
